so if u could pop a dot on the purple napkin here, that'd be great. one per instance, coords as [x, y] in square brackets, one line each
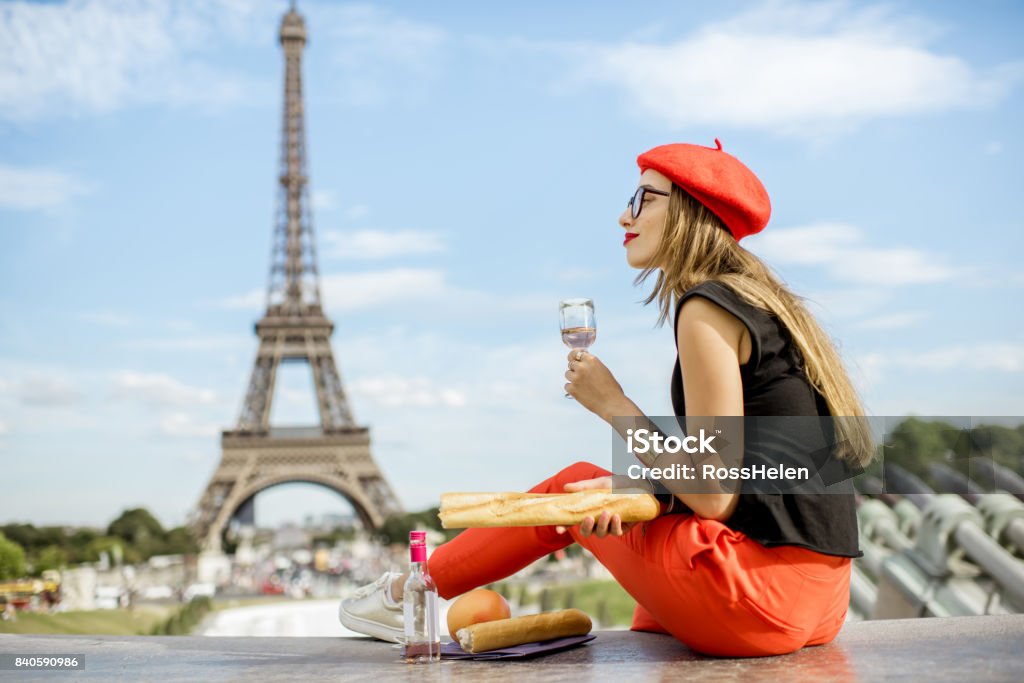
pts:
[453, 651]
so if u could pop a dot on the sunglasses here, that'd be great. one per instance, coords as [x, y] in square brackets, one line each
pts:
[636, 202]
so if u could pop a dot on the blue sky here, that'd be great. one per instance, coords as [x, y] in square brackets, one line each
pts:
[468, 163]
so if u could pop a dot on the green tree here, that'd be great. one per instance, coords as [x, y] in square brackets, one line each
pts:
[107, 544]
[180, 541]
[913, 444]
[397, 527]
[78, 544]
[25, 535]
[50, 535]
[51, 557]
[142, 533]
[137, 526]
[1002, 444]
[12, 559]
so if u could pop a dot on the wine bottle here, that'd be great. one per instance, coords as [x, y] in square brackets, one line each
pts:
[419, 606]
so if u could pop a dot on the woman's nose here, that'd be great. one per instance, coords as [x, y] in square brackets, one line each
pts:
[626, 219]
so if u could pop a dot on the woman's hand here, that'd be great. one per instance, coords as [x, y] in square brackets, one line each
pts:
[605, 523]
[592, 384]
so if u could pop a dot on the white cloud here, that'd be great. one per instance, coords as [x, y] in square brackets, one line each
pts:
[379, 244]
[378, 54]
[841, 250]
[160, 390]
[892, 321]
[196, 457]
[983, 356]
[178, 325]
[182, 425]
[395, 391]
[812, 245]
[48, 391]
[108, 318]
[4, 429]
[253, 299]
[324, 200]
[796, 68]
[357, 211]
[848, 302]
[342, 292]
[198, 343]
[91, 56]
[355, 291]
[36, 188]
[892, 267]
[95, 56]
[428, 288]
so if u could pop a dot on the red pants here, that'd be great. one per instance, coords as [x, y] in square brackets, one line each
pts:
[707, 585]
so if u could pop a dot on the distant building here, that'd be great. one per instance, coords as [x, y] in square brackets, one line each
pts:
[289, 536]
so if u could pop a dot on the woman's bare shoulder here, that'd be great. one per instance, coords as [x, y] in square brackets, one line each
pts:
[701, 317]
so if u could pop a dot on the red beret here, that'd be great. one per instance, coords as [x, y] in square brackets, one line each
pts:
[717, 180]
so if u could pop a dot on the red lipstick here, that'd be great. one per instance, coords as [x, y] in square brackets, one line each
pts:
[629, 236]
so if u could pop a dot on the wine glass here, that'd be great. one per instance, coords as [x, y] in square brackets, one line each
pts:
[579, 327]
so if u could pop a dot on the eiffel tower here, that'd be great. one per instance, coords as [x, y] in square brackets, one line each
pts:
[255, 456]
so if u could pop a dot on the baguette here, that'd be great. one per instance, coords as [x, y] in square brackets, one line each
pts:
[494, 635]
[474, 510]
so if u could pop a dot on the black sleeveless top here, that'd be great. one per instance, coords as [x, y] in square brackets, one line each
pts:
[774, 384]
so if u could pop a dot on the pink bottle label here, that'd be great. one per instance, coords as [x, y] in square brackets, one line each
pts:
[418, 552]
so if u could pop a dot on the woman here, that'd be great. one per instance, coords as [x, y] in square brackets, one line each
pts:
[736, 574]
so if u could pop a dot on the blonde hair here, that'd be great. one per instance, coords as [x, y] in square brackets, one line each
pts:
[695, 248]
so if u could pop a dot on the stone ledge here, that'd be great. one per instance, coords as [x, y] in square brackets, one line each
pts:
[962, 648]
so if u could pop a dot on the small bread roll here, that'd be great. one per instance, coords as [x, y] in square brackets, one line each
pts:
[475, 510]
[494, 635]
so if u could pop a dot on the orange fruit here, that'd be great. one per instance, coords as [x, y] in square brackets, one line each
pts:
[475, 607]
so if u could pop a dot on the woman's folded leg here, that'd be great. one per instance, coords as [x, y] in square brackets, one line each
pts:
[702, 583]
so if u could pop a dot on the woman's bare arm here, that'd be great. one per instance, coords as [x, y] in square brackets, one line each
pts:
[710, 340]
[712, 343]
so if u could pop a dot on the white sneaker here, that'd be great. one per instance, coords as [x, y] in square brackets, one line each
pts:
[371, 611]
